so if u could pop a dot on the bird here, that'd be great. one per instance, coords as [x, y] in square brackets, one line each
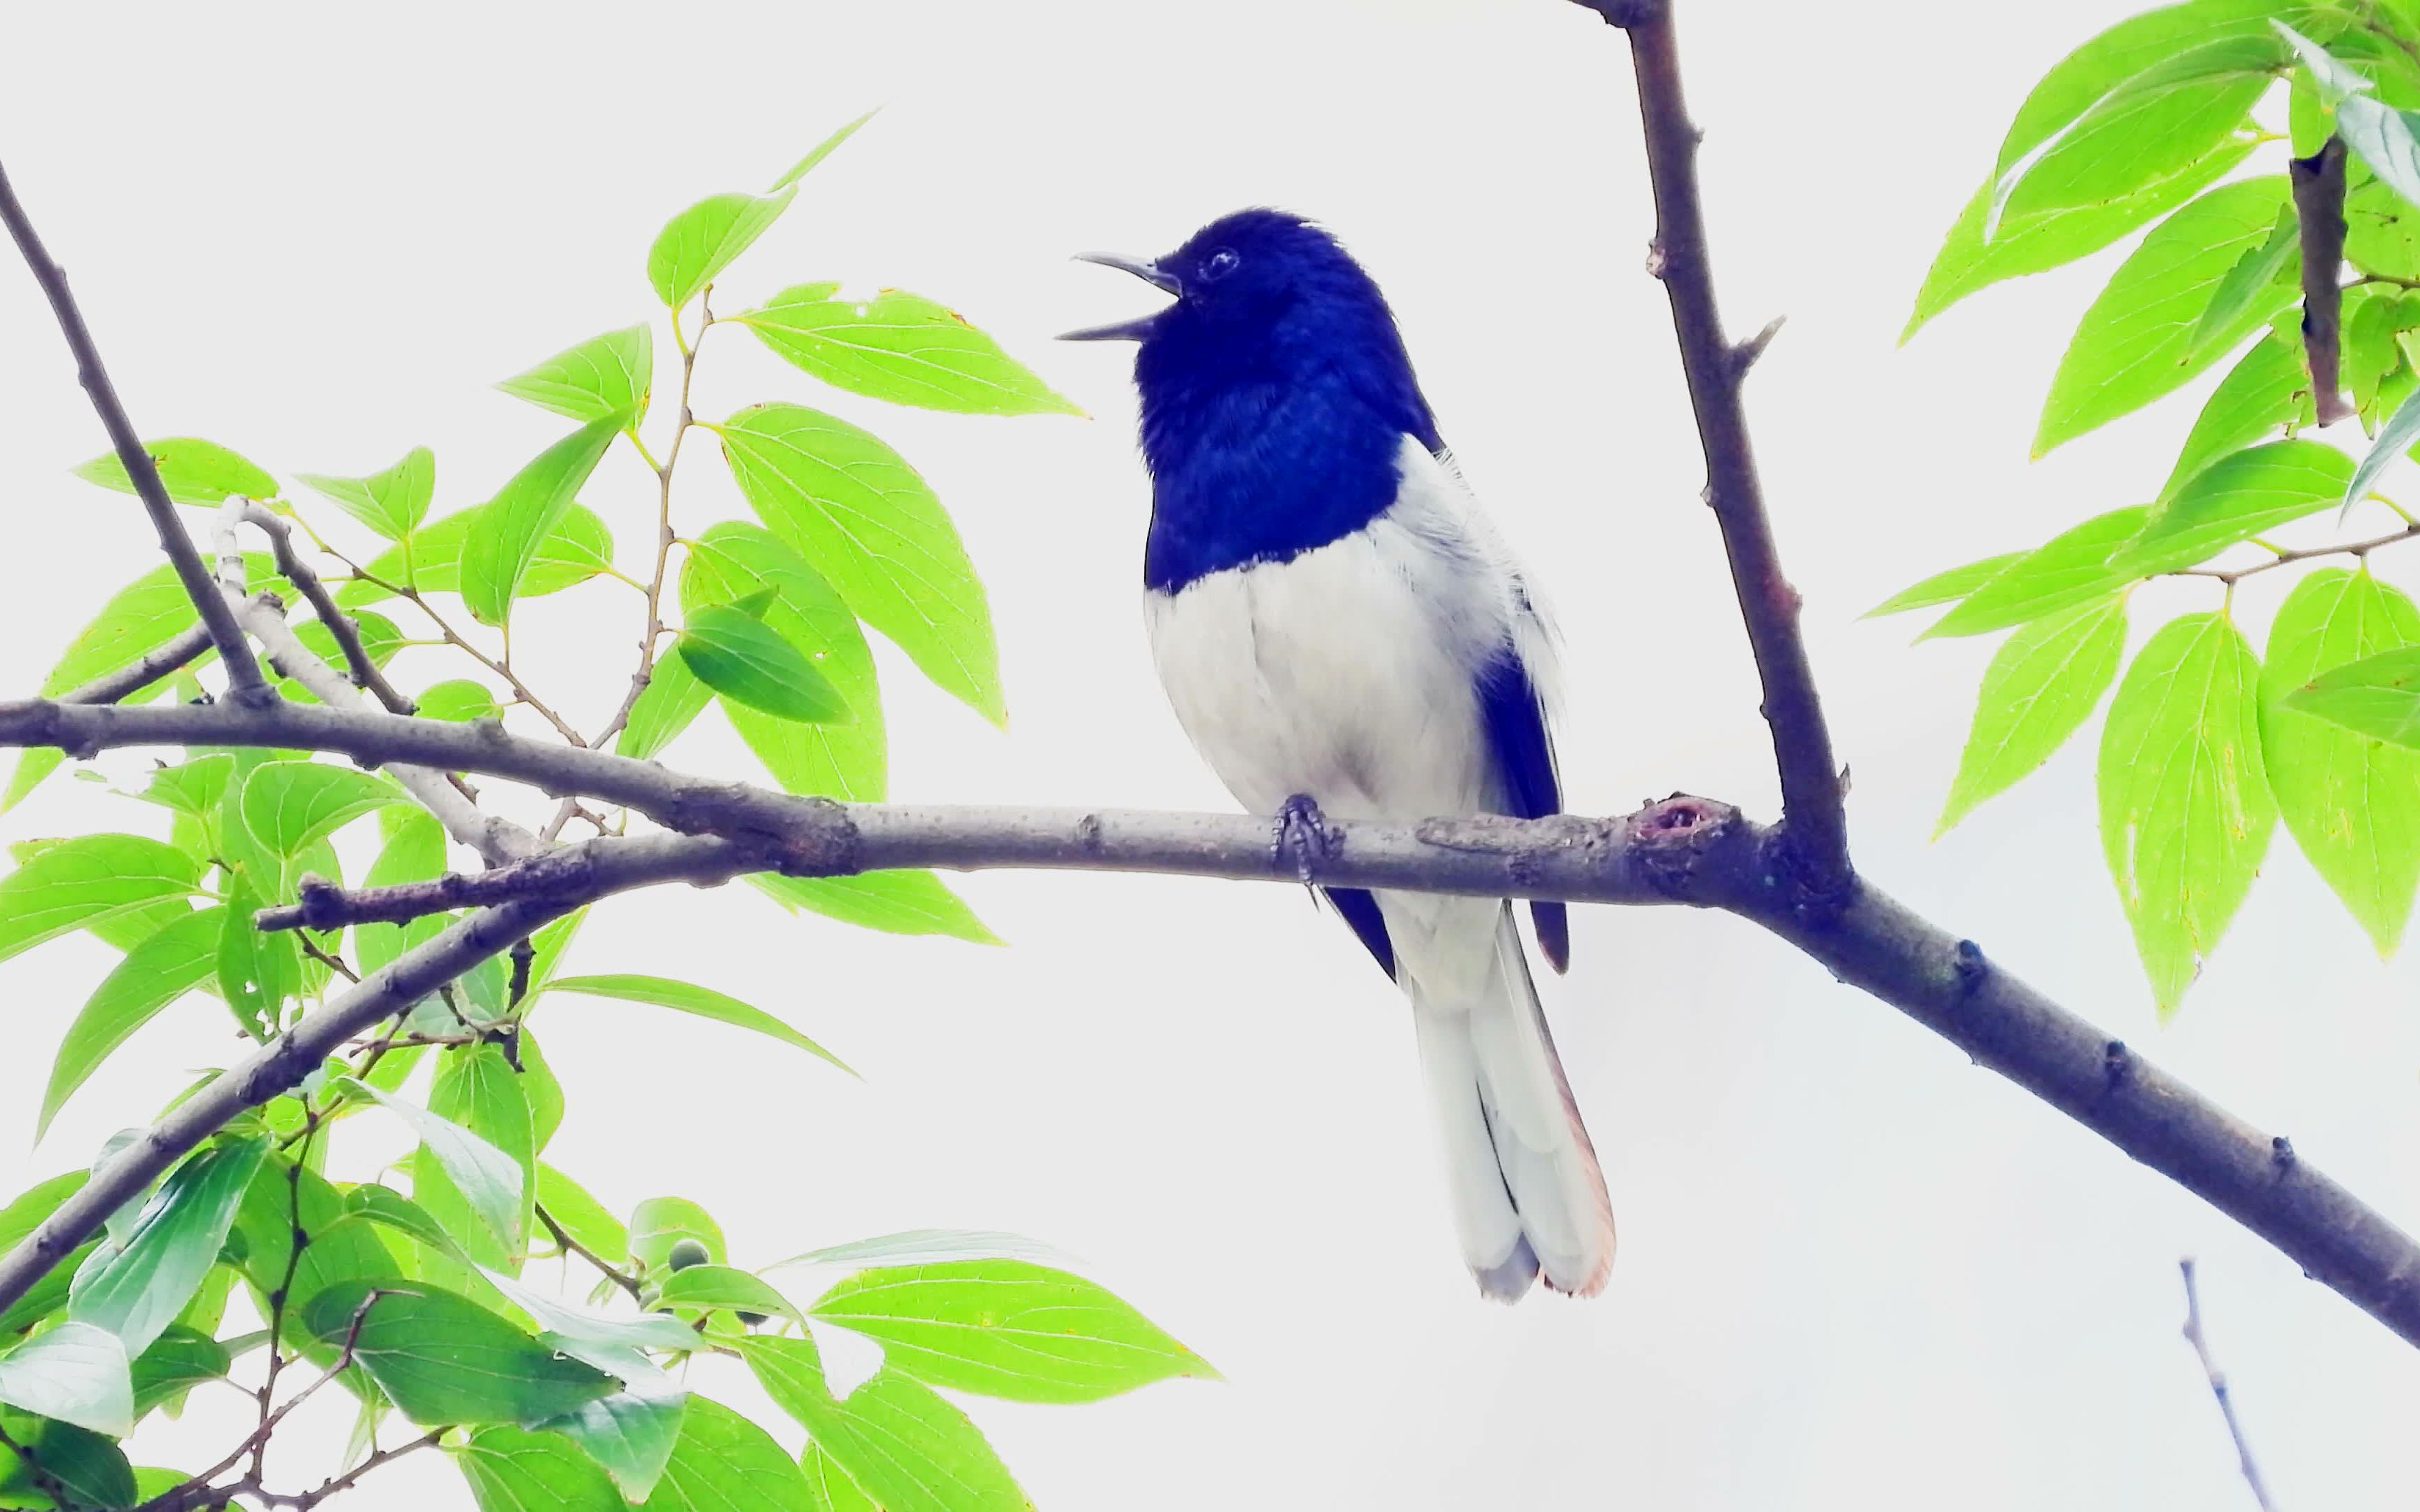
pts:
[1343, 635]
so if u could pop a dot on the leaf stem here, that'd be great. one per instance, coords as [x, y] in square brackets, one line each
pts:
[2231, 576]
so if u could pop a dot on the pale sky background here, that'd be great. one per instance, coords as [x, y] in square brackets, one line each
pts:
[1855, 1271]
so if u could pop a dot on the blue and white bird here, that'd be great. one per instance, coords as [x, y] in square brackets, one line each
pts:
[1335, 620]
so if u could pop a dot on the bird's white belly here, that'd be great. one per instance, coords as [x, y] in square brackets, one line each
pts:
[1343, 673]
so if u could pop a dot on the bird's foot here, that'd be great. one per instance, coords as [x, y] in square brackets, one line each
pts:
[1302, 836]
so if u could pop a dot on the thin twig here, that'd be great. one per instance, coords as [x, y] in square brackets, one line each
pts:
[307, 1500]
[244, 681]
[2231, 576]
[572, 1246]
[342, 627]
[1812, 841]
[522, 693]
[142, 673]
[2200, 1343]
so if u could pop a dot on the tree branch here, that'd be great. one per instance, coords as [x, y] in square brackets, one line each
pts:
[2218, 1388]
[244, 680]
[342, 627]
[141, 673]
[2319, 182]
[1814, 841]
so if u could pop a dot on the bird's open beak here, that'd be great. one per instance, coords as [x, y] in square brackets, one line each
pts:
[1135, 330]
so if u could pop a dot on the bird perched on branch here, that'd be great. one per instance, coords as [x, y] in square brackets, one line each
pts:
[1341, 631]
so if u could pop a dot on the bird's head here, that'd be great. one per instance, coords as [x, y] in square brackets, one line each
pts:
[1252, 289]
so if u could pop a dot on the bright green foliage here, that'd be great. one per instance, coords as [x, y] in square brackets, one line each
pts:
[899, 346]
[441, 1358]
[177, 958]
[76, 1373]
[1946, 587]
[604, 377]
[178, 1359]
[393, 502]
[503, 542]
[576, 549]
[415, 852]
[2136, 343]
[2185, 808]
[584, 1218]
[489, 1171]
[870, 525]
[194, 472]
[459, 700]
[2264, 390]
[1007, 1328]
[2351, 803]
[83, 881]
[136, 1288]
[287, 804]
[2232, 500]
[2044, 684]
[2247, 283]
[823, 150]
[847, 759]
[723, 1461]
[723, 1288]
[673, 700]
[633, 1432]
[659, 1222]
[2071, 568]
[909, 1450]
[895, 903]
[2378, 695]
[685, 997]
[745, 660]
[513, 1470]
[828, 1487]
[2395, 439]
[702, 240]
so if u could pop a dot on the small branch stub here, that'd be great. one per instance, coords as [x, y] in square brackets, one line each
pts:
[2318, 183]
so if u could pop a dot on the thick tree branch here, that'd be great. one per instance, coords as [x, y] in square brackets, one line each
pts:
[2318, 183]
[1814, 826]
[244, 680]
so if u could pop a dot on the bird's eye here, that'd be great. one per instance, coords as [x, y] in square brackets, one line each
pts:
[1219, 264]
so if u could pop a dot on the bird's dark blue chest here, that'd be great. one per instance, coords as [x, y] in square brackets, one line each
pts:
[1257, 469]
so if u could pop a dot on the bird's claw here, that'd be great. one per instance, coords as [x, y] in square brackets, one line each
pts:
[1302, 836]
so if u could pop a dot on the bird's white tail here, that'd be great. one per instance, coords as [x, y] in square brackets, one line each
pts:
[1528, 1196]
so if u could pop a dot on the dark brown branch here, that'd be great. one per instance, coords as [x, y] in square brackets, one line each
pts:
[2200, 1343]
[1814, 826]
[244, 680]
[2319, 210]
[571, 1246]
[342, 627]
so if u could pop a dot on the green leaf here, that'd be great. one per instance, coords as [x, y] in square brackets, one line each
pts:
[895, 903]
[547, 946]
[828, 1487]
[2248, 281]
[928, 1246]
[513, 1470]
[459, 700]
[2021, 245]
[702, 240]
[2378, 695]
[584, 1218]
[1946, 587]
[823, 150]
[578, 549]
[2233, 499]
[390, 1209]
[906, 1448]
[659, 1222]
[721, 1285]
[476, 1174]
[477, 1091]
[582, 1325]
[139, 617]
[850, 504]
[2070, 568]
[722, 1461]
[177, 1361]
[2086, 75]
[541, 1089]
[604, 377]
[2185, 808]
[2381, 231]
[2384, 139]
[2369, 354]
[2266, 389]
[2041, 686]
[503, 540]
[287, 804]
[415, 852]
[444, 1359]
[2137, 341]
[76, 1373]
[91, 1469]
[631, 1433]
[180, 957]
[849, 761]
[747, 660]
[81, 881]
[2150, 127]
[393, 503]
[193, 471]
[902, 347]
[2394, 439]
[136, 1289]
[195, 787]
[2352, 804]
[382, 638]
[1007, 1329]
[673, 701]
[687, 997]
[2334, 79]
